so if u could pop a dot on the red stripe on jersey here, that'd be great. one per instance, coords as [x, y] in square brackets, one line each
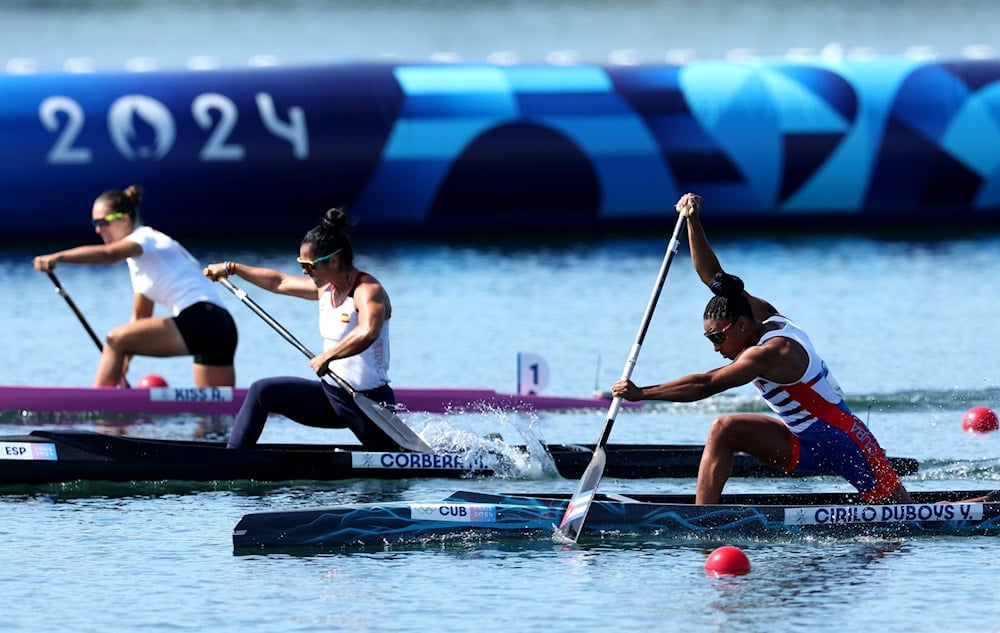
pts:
[887, 481]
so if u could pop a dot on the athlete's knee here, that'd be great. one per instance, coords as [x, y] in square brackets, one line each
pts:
[267, 391]
[257, 389]
[722, 428]
[116, 338]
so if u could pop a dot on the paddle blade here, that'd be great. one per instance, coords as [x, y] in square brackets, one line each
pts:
[576, 512]
[389, 422]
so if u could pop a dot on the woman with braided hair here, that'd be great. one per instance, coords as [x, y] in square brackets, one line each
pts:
[814, 428]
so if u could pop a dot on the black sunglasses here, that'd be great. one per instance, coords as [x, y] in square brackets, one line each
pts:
[719, 336]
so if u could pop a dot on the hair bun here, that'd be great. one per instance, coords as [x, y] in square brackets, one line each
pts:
[726, 285]
[334, 220]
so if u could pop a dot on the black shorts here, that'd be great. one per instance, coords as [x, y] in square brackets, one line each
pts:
[209, 332]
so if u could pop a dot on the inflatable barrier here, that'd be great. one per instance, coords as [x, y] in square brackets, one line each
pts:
[447, 148]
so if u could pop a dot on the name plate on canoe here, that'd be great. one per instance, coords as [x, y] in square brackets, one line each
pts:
[416, 461]
[31, 451]
[454, 512]
[902, 513]
[191, 394]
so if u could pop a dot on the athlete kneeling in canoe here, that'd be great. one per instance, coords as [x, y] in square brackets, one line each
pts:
[354, 313]
[815, 428]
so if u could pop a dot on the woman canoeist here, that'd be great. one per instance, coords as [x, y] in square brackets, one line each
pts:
[354, 313]
[163, 272]
[814, 427]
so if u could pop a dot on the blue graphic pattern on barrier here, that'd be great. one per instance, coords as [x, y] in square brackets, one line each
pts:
[477, 146]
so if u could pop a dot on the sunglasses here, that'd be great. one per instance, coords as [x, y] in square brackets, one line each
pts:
[719, 337]
[309, 264]
[108, 219]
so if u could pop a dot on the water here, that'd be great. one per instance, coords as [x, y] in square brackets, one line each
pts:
[108, 34]
[906, 325]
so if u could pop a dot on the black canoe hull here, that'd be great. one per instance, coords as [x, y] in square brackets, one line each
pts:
[62, 456]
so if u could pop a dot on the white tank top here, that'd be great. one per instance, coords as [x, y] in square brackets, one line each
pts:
[364, 371]
[815, 396]
[167, 273]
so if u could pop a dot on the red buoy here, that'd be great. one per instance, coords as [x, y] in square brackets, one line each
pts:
[727, 560]
[151, 380]
[979, 420]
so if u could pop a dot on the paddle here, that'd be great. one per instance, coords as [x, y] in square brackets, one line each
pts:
[385, 419]
[579, 505]
[79, 315]
[72, 306]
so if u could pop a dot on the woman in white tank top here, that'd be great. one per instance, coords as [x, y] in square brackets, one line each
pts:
[164, 272]
[354, 313]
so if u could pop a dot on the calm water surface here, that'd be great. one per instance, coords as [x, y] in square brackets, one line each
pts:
[907, 326]
[904, 325]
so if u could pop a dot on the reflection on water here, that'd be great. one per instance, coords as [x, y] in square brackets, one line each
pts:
[797, 576]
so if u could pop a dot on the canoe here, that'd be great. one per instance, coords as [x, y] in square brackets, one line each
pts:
[60, 456]
[467, 517]
[227, 400]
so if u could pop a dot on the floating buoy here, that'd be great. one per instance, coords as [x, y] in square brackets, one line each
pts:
[727, 560]
[979, 420]
[151, 380]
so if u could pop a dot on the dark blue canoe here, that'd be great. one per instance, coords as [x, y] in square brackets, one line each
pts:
[468, 517]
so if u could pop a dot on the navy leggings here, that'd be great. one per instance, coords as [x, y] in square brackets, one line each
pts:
[313, 403]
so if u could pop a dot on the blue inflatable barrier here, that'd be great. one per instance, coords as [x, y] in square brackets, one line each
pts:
[448, 148]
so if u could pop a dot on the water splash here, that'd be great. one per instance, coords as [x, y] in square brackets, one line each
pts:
[507, 442]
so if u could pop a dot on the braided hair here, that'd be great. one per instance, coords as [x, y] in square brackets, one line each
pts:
[330, 236]
[730, 301]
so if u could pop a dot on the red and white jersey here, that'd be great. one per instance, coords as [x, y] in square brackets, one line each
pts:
[824, 428]
[815, 396]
